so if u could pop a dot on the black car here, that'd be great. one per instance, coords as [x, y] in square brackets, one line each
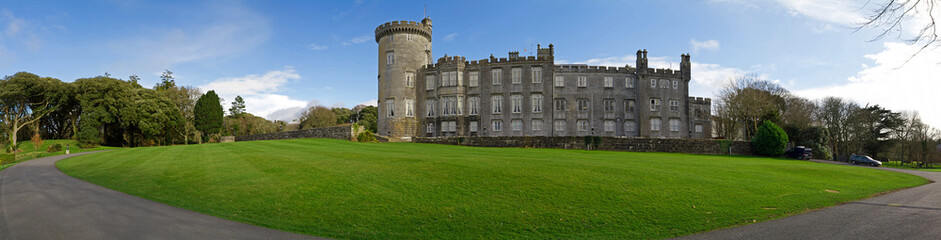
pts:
[865, 160]
[800, 153]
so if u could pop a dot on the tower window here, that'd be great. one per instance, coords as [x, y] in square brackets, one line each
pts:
[390, 58]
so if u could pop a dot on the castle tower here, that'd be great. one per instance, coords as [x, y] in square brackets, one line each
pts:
[404, 47]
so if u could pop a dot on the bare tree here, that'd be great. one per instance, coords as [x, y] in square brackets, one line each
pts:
[745, 102]
[892, 16]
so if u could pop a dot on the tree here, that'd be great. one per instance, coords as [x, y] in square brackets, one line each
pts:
[238, 107]
[367, 116]
[873, 128]
[892, 16]
[745, 102]
[770, 140]
[208, 114]
[343, 114]
[318, 117]
[184, 100]
[24, 100]
[835, 115]
[166, 81]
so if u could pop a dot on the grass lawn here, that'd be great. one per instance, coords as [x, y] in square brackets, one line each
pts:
[341, 189]
[29, 151]
[898, 164]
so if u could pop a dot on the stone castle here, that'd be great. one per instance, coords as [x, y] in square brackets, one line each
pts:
[527, 95]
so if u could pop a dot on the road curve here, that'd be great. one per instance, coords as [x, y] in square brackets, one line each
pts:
[37, 201]
[913, 213]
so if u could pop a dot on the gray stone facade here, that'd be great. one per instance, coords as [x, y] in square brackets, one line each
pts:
[345, 132]
[675, 145]
[527, 95]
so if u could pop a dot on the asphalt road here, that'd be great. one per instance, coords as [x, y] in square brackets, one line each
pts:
[913, 213]
[37, 201]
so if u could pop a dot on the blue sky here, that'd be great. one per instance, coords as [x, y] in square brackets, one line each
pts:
[283, 56]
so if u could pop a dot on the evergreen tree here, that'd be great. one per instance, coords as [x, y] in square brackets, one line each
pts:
[166, 81]
[770, 140]
[238, 107]
[208, 114]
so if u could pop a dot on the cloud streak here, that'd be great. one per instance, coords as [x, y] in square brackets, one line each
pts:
[261, 92]
[704, 45]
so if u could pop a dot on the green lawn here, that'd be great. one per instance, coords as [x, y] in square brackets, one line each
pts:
[29, 151]
[341, 189]
[898, 164]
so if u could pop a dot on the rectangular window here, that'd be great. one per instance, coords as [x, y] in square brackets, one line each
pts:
[408, 37]
[537, 124]
[629, 82]
[517, 102]
[473, 126]
[583, 105]
[629, 106]
[559, 125]
[430, 128]
[582, 81]
[409, 79]
[676, 84]
[429, 108]
[444, 127]
[390, 57]
[609, 105]
[664, 83]
[582, 125]
[452, 127]
[560, 104]
[609, 82]
[674, 105]
[653, 83]
[537, 74]
[495, 75]
[390, 107]
[698, 128]
[430, 82]
[497, 102]
[444, 78]
[674, 125]
[560, 81]
[654, 104]
[609, 126]
[630, 126]
[474, 104]
[474, 79]
[445, 106]
[517, 125]
[655, 124]
[409, 107]
[537, 103]
[497, 125]
[517, 75]
[452, 79]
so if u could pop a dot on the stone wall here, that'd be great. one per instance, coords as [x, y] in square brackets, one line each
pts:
[703, 146]
[337, 132]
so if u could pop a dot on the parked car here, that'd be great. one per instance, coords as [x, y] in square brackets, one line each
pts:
[865, 160]
[800, 152]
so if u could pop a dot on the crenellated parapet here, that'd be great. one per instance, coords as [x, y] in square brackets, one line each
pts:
[583, 68]
[700, 101]
[423, 28]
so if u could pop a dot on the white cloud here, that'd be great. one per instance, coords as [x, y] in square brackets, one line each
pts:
[705, 45]
[260, 92]
[843, 12]
[706, 78]
[889, 83]
[450, 37]
[315, 47]
[19, 30]
[356, 40]
[372, 102]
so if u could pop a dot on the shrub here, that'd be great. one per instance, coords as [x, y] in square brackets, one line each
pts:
[770, 140]
[365, 136]
[55, 147]
[6, 158]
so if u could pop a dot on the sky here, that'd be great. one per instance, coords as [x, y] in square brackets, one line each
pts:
[284, 56]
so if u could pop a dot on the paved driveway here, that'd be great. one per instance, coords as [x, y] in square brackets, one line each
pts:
[37, 201]
[913, 213]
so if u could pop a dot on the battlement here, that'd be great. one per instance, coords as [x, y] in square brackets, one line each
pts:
[592, 69]
[403, 27]
[447, 59]
[699, 100]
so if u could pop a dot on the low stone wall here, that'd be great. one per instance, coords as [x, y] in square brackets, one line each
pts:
[337, 132]
[702, 146]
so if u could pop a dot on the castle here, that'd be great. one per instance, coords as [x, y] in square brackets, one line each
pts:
[527, 95]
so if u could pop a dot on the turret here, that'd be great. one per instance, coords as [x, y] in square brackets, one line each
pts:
[685, 67]
[642, 61]
[404, 47]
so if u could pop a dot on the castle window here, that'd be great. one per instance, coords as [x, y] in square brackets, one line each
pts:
[410, 79]
[390, 107]
[559, 125]
[674, 125]
[698, 128]
[430, 128]
[560, 104]
[655, 124]
[430, 108]
[582, 125]
[629, 82]
[537, 124]
[408, 37]
[609, 82]
[560, 81]
[430, 82]
[444, 126]
[609, 126]
[517, 75]
[495, 75]
[629, 106]
[474, 103]
[517, 102]
[653, 83]
[654, 104]
[517, 125]
[664, 83]
[445, 106]
[473, 126]
[391, 37]
[474, 79]
[444, 79]
[452, 101]
[452, 127]
[676, 84]
[609, 105]
[390, 57]
[582, 81]
[583, 105]
[674, 105]
[497, 125]
[452, 79]
[497, 102]
[409, 107]
[630, 126]
[537, 103]
[537, 74]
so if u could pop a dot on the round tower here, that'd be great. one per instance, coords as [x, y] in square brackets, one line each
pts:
[404, 47]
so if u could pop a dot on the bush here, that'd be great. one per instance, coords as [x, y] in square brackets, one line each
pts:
[770, 140]
[6, 158]
[55, 147]
[365, 136]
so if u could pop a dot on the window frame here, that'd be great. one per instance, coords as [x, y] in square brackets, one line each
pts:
[582, 81]
[496, 76]
[536, 74]
[608, 81]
